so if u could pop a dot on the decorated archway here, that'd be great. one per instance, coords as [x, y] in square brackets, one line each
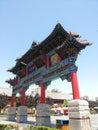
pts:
[52, 58]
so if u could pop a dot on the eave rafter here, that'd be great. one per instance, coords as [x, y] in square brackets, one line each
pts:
[69, 47]
[60, 40]
[54, 43]
[39, 62]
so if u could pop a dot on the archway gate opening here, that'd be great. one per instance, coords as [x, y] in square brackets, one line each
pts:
[52, 58]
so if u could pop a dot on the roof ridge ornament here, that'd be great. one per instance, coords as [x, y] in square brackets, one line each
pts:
[18, 58]
[34, 43]
[85, 41]
[58, 24]
[9, 69]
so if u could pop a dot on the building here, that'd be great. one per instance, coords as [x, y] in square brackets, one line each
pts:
[55, 96]
[85, 98]
[96, 99]
[6, 91]
[58, 97]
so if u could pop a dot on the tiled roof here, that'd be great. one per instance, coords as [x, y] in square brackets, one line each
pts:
[6, 91]
[58, 95]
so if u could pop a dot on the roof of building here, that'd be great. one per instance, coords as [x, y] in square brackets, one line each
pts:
[59, 95]
[6, 91]
[59, 39]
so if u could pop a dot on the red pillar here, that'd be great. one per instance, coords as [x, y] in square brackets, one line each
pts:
[75, 87]
[48, 62]
[12, 101]
[44, 58]
[23, 97]
[42, 98]
[26, 71]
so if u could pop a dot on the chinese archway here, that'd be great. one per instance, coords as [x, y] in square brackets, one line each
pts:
[52, 58]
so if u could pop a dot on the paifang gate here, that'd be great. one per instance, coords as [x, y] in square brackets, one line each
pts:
[52, 58]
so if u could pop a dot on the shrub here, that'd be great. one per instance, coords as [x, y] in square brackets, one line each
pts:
[13, 126]
[8, 127]
[41, 128]
[92, 111]
[3, 126]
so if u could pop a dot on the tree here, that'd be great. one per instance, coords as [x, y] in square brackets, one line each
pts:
[49, 100]
[36, 100]
[31, 101]
[18, 101]
[65, 103]
[3, 101]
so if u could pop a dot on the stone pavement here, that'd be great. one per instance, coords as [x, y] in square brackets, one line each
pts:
[94, 121]
[31, 120]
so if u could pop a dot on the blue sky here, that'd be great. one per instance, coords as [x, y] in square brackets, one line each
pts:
[23, 21]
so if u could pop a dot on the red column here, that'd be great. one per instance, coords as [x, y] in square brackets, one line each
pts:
[23, 97]
[48, 62]
[12, 101]
[75, 87]
[42, 98]
[26, 70]
[44, 58]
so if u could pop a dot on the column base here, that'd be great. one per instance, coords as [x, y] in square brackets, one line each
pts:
[43, 115]
[11, 114]
[22, 114]
[79, 115]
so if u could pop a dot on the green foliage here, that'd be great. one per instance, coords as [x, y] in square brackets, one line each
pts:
[3, 126]
[49, 101]
[17, 102]
[13, 126]
[9, 127]
[31, 101]
[65, 103]
[92, 111]
[3, 101]
[41, 128]
[30, 127]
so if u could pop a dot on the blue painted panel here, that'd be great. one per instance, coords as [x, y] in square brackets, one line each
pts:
[31, 69]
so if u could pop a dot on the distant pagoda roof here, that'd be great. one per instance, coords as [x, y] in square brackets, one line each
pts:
[59, 40]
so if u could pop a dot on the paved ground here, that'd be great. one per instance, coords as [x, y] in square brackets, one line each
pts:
[31, 120]
[94, 121]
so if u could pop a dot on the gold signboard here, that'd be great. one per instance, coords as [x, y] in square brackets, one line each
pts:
[54, 58]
